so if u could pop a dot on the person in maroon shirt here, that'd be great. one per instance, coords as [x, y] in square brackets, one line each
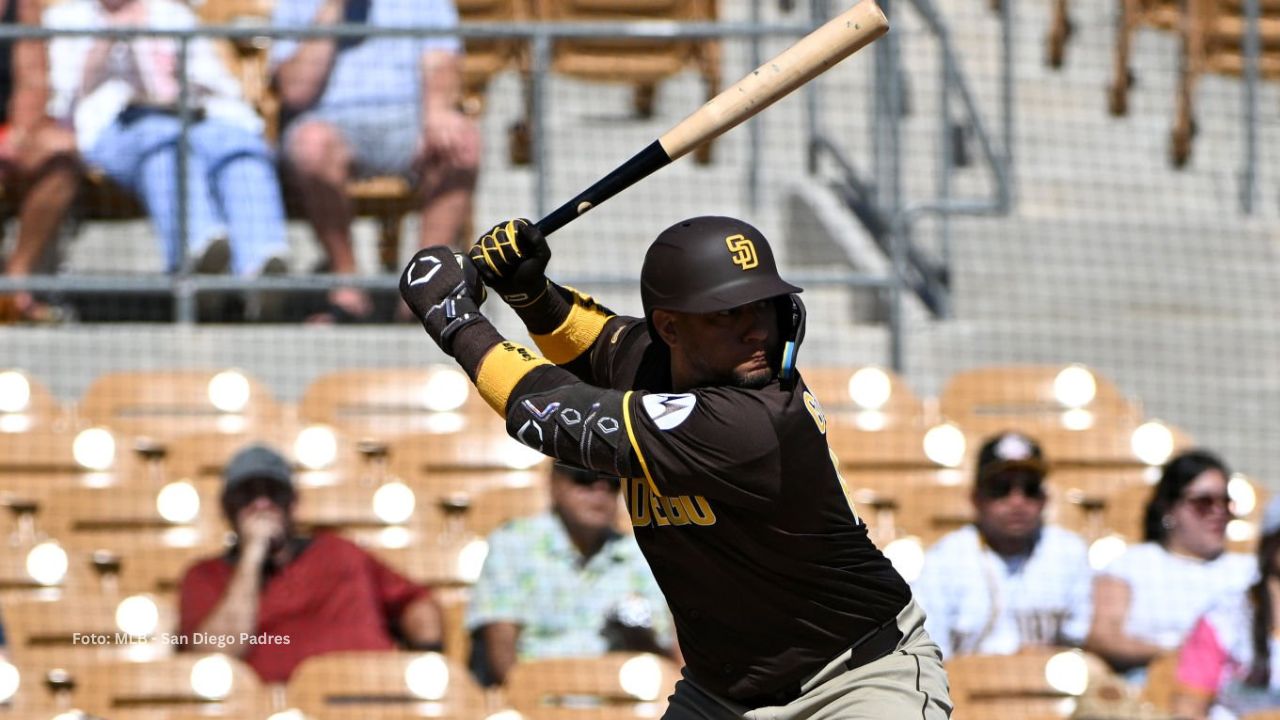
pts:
[277, 598]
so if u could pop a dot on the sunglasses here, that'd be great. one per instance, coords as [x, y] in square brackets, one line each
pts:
[1001, 486]
[586, 478]
[1203, 505]
[246, 492]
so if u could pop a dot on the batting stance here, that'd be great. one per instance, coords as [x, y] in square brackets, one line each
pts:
[783, 606]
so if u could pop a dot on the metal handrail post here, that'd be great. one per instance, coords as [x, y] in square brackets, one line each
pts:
[537, 124]
[184, 292]
[1252, 47]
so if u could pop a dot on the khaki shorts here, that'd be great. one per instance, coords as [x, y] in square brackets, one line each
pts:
[907, 684]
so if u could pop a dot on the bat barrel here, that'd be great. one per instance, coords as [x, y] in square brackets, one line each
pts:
[816, 52]
[812, 55]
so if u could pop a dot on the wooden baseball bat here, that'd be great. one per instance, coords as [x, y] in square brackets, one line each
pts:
[812, 55]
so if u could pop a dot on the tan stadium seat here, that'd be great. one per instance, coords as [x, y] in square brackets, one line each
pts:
[165, 404]
[1015, 687]
[1163, 15]
[385, 685]
[484, 58]
[468, 451]
[1024, 396]
[614, 686]
[1213, 43]
[860, 389]
[383, 403]
[26, 404]
[636, 62]
[75, 632]
[209, 685]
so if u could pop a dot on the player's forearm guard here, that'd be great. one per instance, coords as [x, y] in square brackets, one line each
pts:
[575, 334]
[573, 421]
[502, 368]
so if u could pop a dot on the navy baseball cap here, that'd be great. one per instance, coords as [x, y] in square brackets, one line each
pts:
[257, 462]
[1010, 451]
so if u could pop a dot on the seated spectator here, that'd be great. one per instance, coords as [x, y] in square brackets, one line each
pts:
[38, 167]
[121, 96]
[1146, 600]
[1008, 581]
[566, 583]
[369, 107]
[1226, 668]
[276, 598]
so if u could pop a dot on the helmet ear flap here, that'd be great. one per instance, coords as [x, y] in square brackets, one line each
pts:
[791, 320]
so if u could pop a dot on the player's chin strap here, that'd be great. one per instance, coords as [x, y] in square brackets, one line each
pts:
[793, 335]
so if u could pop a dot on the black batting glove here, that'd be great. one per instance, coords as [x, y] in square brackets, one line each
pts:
[512, 259]
[444, 291]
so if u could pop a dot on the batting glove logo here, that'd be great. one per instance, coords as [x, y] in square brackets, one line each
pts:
[424, 274]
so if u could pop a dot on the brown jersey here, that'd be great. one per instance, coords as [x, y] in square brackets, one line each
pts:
[745, 521]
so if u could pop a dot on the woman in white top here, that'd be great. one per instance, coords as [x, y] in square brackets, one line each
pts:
[122, 96]
[1229, 665]
[1146, 601]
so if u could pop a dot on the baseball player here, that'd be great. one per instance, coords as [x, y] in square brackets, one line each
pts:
[784, 608]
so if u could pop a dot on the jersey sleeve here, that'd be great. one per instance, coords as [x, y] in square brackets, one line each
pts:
[716, 442]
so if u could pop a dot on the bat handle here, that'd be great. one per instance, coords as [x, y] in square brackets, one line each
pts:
[643, 164]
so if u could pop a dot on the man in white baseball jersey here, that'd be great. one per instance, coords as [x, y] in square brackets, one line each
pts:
[1007, 581]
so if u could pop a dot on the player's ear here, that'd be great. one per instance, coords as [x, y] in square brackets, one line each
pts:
[664, 322]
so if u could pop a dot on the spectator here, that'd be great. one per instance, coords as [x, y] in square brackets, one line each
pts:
[1147, 599]
[1007, 581]
[295, 596]
[376, 106]
[566, 583]
[122, 98]
[1225, 668]
[37, 157]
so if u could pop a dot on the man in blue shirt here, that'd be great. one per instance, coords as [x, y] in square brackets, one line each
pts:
[360, 107]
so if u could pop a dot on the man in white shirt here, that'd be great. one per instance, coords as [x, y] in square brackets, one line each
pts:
[1007, 581]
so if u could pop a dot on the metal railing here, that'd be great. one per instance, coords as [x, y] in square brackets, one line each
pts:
[540, 36]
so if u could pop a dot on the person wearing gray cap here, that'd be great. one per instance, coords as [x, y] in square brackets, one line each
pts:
[1229, 666]
[1007, 581]
[276, 598]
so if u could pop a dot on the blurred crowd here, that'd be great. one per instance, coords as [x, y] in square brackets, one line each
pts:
[344, 108]
[571, 582]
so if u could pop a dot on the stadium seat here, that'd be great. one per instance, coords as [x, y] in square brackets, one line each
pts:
[484, 58]
[184, 684]
[879, 496]
[863, 389]
[933, 511]
[73, 633]
[639, 63]
[615, 686]
[987, 400]
[1133, 15]
[30, 699]
[165, 404]
[42, 569]
[129, 509]
[384, 686]
[26, 404]
[480, 450]
[1019, 687]
[1213, 43]
[384, 403]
